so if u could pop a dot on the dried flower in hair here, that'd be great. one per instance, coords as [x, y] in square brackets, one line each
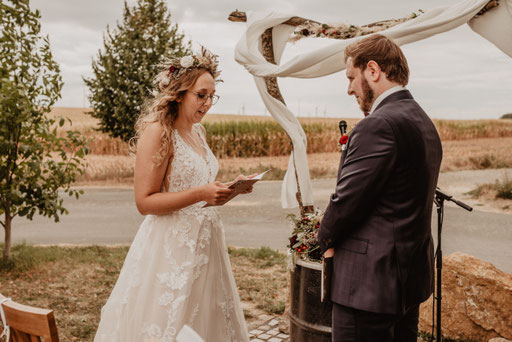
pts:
[187, 61]
[178, 66]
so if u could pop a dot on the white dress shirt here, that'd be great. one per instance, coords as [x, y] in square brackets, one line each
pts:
[385, 94]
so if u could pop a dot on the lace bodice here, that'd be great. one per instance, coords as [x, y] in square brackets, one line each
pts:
[189, 168]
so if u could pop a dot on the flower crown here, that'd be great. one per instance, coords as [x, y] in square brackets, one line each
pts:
[178, 66]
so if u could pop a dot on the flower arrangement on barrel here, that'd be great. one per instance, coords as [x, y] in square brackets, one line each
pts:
[303, 242]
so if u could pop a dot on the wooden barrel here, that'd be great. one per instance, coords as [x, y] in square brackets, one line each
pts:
[310, 319]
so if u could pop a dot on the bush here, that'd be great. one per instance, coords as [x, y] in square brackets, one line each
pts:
[502, 189]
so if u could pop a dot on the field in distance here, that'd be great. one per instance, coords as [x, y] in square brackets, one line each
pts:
[247, 144]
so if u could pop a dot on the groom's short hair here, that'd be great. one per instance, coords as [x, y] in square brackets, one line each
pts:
[385, 52]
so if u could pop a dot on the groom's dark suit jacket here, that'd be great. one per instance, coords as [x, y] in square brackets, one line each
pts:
[379, 218]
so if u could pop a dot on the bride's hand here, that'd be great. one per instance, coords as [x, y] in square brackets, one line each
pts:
[216, 193]
[242, 177]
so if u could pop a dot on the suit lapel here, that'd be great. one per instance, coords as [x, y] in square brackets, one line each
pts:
[342, 159]
[399, 95]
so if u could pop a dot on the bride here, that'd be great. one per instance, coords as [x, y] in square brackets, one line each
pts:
[177, 271]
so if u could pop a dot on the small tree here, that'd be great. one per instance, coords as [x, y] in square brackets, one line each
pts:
[124, 71]
[34, 161]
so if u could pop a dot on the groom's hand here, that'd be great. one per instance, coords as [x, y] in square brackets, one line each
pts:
[329, 253]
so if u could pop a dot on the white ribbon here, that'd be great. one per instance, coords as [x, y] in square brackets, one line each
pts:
[6, 332]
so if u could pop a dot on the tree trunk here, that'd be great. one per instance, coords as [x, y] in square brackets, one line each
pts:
[7, 228]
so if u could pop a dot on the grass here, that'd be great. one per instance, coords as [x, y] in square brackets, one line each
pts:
[75, 282]
[105, 168]
[261, 278]
[473, 129]
[499, 189]
[477, 154]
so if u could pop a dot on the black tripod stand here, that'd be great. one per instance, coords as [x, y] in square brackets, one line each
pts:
[439, 201]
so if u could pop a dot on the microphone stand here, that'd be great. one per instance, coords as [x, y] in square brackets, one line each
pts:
[439, 199]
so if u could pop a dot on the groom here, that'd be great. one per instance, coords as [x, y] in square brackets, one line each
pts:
[377, 224]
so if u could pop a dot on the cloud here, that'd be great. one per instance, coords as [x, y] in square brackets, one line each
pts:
[92, 14]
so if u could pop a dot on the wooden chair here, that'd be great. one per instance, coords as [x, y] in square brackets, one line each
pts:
[29, 324]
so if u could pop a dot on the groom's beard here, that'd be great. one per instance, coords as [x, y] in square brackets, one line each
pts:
[367, 100]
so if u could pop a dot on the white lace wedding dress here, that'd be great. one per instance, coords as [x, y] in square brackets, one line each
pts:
[177, 271]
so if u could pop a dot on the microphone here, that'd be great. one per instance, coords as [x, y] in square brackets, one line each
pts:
[343, 127]
[444, 196]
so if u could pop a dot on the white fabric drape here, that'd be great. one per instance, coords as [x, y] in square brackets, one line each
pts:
[495, 26]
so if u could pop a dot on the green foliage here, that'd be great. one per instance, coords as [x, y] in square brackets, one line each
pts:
[123, 72]
[504, 188]
[34, 162]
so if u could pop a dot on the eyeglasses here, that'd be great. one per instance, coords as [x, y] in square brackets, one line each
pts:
[203, 98]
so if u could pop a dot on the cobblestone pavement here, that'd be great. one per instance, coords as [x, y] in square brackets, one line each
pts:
[269, 329]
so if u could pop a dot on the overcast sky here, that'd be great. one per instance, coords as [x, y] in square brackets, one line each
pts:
[454, 75]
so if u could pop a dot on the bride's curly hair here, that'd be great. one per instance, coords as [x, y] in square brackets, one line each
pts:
[174, 78]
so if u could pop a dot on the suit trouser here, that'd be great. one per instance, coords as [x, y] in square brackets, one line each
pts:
[352, 325]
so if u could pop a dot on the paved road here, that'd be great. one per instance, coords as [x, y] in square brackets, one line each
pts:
[109, 216]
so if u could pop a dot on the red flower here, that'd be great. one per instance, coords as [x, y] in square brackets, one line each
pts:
[344, 139]
[323, 31]
[172, 69]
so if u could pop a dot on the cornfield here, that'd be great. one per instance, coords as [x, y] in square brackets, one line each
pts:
[232, 136]
[473, 129]
[230, 139]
